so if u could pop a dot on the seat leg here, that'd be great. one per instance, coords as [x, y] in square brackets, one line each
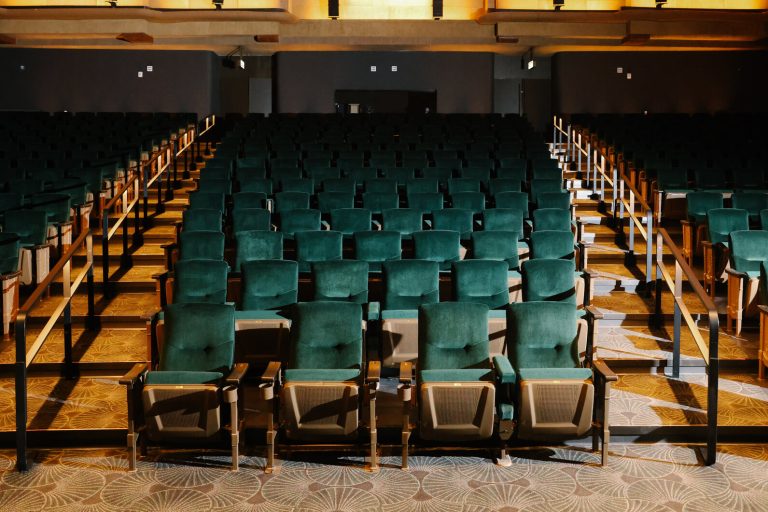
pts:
[736, 291]
[132, 438]
[762, 350]
[374, 463]
[503, 459]
[605, 427]
[405, 395]
[235, 436]
[271, 435]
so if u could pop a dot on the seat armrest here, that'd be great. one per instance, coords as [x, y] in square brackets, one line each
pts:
[272, 373]
[763, 309]
[373, 375]
[706, 243]
[687, 222]
[406, 372]
[133, 375]
[736, 273]
[594, 312]
[505, 374]
[606, 373]
[236, 375]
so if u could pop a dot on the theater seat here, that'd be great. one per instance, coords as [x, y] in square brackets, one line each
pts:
[720, 223]
[10, 244]
[32, 228]
[748, 249]
[694, 225]
[196, 280]
[180, 400]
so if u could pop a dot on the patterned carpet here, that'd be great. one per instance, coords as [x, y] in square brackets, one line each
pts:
[639, 478]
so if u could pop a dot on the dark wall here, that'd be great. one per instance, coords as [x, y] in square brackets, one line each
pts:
[235, 83]
[107, 81]
[306, 81]
[661, 82]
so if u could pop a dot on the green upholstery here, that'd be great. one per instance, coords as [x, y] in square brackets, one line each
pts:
[456, 185]
[269, 284]
[440, 246]
[453, 375]
[426, 202]
[483, 281]
[721, 221]
[560, 200]
[322, 375]
[764, 219]
[552, 245]
[350, 220]
[243, 200]
[748, 250]
[285, 201]
[473, 201]
[10, 201]
[764, 283]
[201, 219]
[198, 337]
[537, 187]
[313, 246]
[9, 252]
[211, 185]
[200, 281]
[326, 336]
[30, 225]
[519, 172]
[345, 280]
[257, 245]
[496, 245]
[454, 219]
[377, 247]
[410, 283]
[303, 185]
[549, 280]
[293, 221]
[329, 201]
[75, 188]
[453, 336]
[405, 221]
[513, 201]
[206, 200]
[201, 245]
[672, 179]
[339, 185]
[714, 179]
[503, 219]
[752, 202]
[378, 201]
[542, 335]
[482, 174]
[182, 377]
[422, 186]
[554, 219]
[500, 185]
[251, 219]
[55, 205]
[255, 184]
[380, 186]
[26, 187]
[699, 203]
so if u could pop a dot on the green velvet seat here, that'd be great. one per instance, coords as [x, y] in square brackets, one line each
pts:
[401, 175]
[441, 174]
[500, 185]
[748, 250]
[496, 245]
[345, 280]
[513, 201]
[10, 201]
[376, 202]
[555, 395]
[712, 179]
[455, 219]
[463, 395]
[329, 201]
[380, 186]
[518, 173]
[322, 383]
[480, 173]
[422, 186]
[552, 219]
[287, 201]
[296, 185]
[201, 219]
[483, 281]
[472, 201]
[351, 220]
[269, 284]
[561, 200]
[206, 200]
[215, 186]
[550, 280]
[346, 185]
[546, 172]
[180, 400]
[538, 187]
[456, 185]
[552, 245]
[255, 184]
[503, 219]
[197, 245]
[377, 247]
[698, 205]
[257, 245]
[32, 228]
[442, 246]
[314, 246]
[10, 245]
[305, 219]
[752, 202]
[764, 219]
[251, 219]
[322, 174]
[405, 221]
[57, 207]
[426, 202]
[200, 281]
[243, 200]
[672, 180]
[720, 223]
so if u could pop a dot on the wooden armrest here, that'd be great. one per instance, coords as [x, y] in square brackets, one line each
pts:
[736, 273]
[406, 372]
[763, 309]
[130, 378]
[374, 372]
[687, 222]
[237, 373]
[271, 373]
[594, 312]
[600, 367]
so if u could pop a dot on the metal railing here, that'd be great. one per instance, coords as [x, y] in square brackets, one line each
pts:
[26, 356]
[709, 351]
[151, 171]
[127, 197]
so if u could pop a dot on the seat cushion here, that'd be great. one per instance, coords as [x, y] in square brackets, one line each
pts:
[554, 373]
[470, 375]
[183, 377]
[321, 375]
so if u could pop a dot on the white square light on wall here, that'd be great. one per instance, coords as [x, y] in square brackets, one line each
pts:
[373, 69]
[629, 76]
[619, 70]
[150, 68]
[394, 69]
[141, 74]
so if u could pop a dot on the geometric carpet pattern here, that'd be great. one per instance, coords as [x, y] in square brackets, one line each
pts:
[639, 478]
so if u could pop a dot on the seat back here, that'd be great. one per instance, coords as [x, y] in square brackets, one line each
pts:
[345, 280]
[312, 246]
[496, 245]
[405, 221]
[350, 220]
[513, 200]
[200, 281]
[552, 245]
[560, 200]
[503, 219]
[376, 247]
[455, 219]
[251, 219]
[329, 201]
[285, 201]
[410, 283]
[473, 201]
[721, 221]
[553, 219]
[549, 280]
[752, 202]
[748, 250]
[269, 284]
[442, 246]
[426, 202]
[201, 219]
[257, 245]
[699, 203]
[201, 245]
[9, 253]
[30, 225]
[378, 201]
[198, 337]
[305, 219]
[483, 281]
[243, 200]
[206, 200]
